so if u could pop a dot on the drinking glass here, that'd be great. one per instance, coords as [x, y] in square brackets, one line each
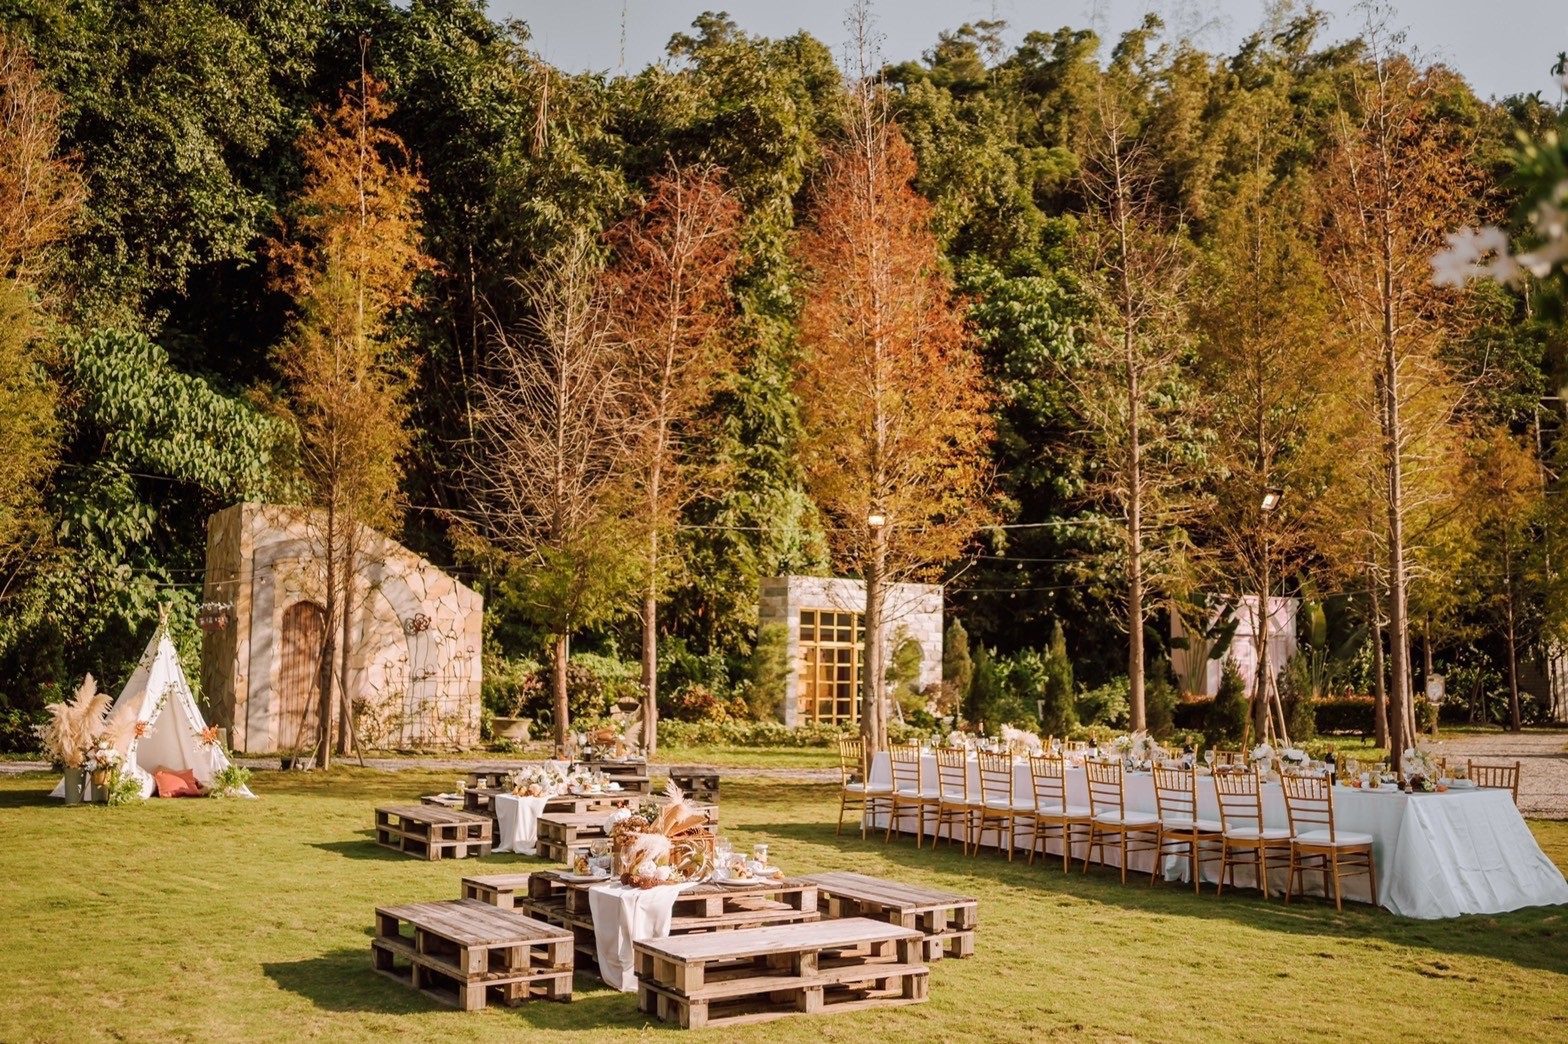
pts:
[760, 853]
[1208, 758]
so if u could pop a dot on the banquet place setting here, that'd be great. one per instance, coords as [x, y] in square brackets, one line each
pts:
[1434, 839]
[646, 892]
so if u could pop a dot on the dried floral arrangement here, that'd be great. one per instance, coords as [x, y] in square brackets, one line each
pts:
[663, 844]
[73, 725]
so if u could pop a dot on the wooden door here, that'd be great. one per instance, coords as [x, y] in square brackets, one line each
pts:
[299, 680]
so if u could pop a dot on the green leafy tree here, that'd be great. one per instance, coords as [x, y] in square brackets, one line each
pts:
[957, 668]
[1227, 715]
[1060, 713]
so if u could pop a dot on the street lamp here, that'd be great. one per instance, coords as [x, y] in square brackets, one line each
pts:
[1271, 498]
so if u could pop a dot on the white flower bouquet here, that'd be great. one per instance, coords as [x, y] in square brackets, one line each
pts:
[536, 781]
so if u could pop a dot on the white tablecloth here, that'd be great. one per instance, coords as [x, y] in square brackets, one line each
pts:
[623, 915]
[1437, 855]
[517, 823]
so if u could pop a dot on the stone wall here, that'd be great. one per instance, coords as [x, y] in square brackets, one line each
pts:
[912, 609]
[415, 635]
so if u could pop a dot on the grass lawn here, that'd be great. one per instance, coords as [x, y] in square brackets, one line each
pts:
[207, 920]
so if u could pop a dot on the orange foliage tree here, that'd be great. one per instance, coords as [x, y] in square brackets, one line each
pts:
[895, 410]
[670, 285]
[350, 262]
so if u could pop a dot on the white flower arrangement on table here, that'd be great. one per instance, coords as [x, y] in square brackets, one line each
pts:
[1122, 744]
[959, 739]
[588, 781]
[1420, 769]
[1020, 741]
[536, 781]
[1261, 753]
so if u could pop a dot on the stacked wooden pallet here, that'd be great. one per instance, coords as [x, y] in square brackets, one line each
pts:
[432, 832]
[630, 773]
[499, 890]
[698, 784]
[465, 952]
[946, 919]
[563, 836]
[753, 974]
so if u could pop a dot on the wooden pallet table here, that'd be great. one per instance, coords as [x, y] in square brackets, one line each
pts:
[462, 952]
[563, 836]
[702, 908]
[946, 919]
[490, 776]
[754, 974]
[698, 784]
[452, 801]
[432, 832]
[630, 773]
[499, 890]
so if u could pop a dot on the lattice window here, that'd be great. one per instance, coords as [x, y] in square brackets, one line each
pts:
[828, 688]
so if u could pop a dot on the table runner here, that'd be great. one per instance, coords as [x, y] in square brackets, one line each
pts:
[517, 823]
[623, 915]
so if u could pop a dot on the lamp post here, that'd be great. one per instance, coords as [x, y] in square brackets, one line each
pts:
[873, 720]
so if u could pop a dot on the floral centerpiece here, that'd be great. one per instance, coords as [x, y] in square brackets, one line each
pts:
[664, 843]
[1021, 741]
[536, 781]
[102, 759]
[1421, 770]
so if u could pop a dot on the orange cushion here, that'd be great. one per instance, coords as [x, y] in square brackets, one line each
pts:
[176, 784]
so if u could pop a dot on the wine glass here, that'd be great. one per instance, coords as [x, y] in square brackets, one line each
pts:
[1208, 758]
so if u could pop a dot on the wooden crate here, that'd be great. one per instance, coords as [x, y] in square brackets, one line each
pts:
[499, 890]
[754, 974]
[698, 784]
[432, 832]
[946, 919]
[463, 952]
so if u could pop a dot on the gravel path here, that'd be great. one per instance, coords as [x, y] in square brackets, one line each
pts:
[1543, 772]
[466, 765]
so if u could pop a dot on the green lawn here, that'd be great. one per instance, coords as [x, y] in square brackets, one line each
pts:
[209, 920]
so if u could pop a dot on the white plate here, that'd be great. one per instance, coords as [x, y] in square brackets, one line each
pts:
[581, 878]
[1461, 784]
[739, 882]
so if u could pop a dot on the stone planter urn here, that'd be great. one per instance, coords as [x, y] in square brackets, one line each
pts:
[74, 780]
[514, 729]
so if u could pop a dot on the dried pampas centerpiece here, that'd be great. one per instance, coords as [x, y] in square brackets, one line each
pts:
[73, 726]
[663, 844]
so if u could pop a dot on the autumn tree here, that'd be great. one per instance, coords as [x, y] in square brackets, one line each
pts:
[40, 200]
[895, 408]
[1396, 179]
[1130, 389]
[670, 285]
[550, 470]
[350, 261]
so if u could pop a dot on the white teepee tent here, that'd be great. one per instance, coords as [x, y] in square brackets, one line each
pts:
[173, 723]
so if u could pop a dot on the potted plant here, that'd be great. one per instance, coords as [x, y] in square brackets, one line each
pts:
[101, 763]
[517, 686]
[68, 734]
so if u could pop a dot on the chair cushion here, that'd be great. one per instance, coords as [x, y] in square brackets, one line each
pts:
[1070, 812]
[910, 792]
[1338, 840]
[1128, 818]
[1023, 805]
[869, 788]
[957, 796]
[1001, 803]
[1186, 826]
[1254, 834]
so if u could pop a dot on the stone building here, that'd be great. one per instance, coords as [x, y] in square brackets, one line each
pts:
[826, 639]
[414, 649]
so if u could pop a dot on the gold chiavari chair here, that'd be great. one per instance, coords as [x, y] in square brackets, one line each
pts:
[1181, 830]
[1134, 831]
[953, 806]
[1496, 777]
[910, 791]
[1315, 845]
[1048, 774]
[996, 805]
[1228, 758]
[1246, 840]
[855, 787]
[1075, 746]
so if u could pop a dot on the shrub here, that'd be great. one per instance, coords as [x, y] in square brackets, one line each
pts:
[1191, 712]
[1097, 734]
[1159, 701]
[1105, 705]
[679, 667]
[697, 702]
[769, 672]
[17, 735]
[594, 684]
[957, 668]
[1340, 715]
[1227, 717]
[1295, 690]
[1060, 715]
[992, 700]
[510, 685]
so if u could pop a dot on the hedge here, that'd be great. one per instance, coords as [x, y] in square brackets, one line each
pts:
[1352, 715]
[762, 734]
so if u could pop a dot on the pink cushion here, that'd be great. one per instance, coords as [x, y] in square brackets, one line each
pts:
[176, 784]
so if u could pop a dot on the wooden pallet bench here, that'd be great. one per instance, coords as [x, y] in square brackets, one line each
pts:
[698, 784]
[946, 919]
[754, 974]
[499, 890]
[492, 777]
[563, 836]
[463, 952]
[630, 773]
[452, 801]
[432, 832]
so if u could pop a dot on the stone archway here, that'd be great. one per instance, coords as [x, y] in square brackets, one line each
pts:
[299, 674]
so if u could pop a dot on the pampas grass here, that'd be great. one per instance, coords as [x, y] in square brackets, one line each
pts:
[73, 726]
[120, 727]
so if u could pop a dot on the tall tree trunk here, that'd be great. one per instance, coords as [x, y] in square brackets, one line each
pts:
[1138, 718]
[1515, 719]
[558, 681]
[1260, 642]
[1379, 691]
[873, 712]
[327, 713]
[650, 664]
[345, 743]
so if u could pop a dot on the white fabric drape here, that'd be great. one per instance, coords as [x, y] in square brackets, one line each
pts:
[623, 915]
[517, 819]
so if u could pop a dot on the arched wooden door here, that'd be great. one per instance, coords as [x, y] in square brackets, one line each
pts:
[299, 680]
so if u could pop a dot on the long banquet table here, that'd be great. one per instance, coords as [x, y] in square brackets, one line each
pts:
[1437, 855]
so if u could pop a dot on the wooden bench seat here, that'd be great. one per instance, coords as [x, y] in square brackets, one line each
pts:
[432, 832]
[947, 919]
[462, 952]
[753, 974]
[499, 890]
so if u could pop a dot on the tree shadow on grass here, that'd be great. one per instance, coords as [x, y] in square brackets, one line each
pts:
[1532, 938]
[342, 980]
[29, 798]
